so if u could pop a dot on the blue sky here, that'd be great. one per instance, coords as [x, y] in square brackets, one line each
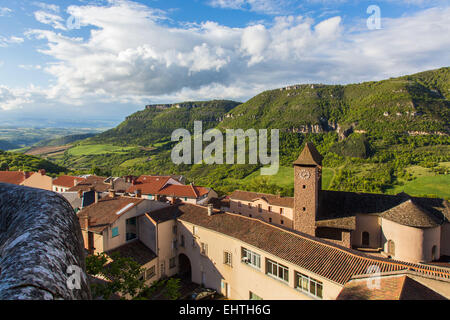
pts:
[90, 63]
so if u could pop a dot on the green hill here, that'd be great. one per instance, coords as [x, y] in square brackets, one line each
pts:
[371, 134]
[17, 161]
[62, 141]
[155, 124]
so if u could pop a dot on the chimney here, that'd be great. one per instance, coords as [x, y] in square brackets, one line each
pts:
[210, 210]
[138, 193]
[112, 193]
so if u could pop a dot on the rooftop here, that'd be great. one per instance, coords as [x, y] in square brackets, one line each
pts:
[331, 261]
[136, 250]
[67, 181]
[393, 287]
[309, 156]
[106, 211]
[275, 200]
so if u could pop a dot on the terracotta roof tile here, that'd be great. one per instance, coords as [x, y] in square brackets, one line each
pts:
[328, 260]
[136, 250]
[392, 287]
[287, 202]
[67, 181]
[104, 212]
[13, 177]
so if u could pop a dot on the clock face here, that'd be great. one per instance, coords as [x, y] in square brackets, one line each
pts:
[304, 174]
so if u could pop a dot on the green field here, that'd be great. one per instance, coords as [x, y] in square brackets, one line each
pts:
[285, 177]
[430, 185]
[97, 149]
[133, 162]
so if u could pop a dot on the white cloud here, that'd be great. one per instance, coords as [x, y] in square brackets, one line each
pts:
[4, 11]
[13, 98]
[51, 19]
[47, 7]
[260, 6]
[5, 42]
[131, 57]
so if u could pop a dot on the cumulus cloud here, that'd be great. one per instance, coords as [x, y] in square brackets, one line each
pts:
[131, 56]
[51, 19]
[260, 6]
[4, 11]
[14, 98]
[5, 42]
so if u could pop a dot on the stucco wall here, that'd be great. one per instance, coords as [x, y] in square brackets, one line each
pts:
[445, 239]
[241, 277]
[411, 244]
[266, 215]
[370, 224]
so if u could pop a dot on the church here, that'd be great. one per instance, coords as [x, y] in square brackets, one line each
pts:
[400, 227]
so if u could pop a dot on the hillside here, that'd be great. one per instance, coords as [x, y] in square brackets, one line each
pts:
[16, 161]
[373, 136]
[62, 141]
[156, 123]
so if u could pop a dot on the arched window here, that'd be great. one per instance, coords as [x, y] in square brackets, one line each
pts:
[434, 253]
[365, 239]
[391, 248]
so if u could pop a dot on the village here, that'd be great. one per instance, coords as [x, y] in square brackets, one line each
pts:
[318, 244]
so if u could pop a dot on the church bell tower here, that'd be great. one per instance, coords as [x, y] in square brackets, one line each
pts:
[307, 184]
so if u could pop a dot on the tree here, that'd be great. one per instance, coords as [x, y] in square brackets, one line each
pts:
[123, 275]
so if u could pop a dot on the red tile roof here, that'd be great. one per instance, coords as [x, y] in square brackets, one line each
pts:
[393, 287]
[98, 183]
[67, 181]
[149, 184]
[105, 211]
[287, 202]
[14, 177]
[188, 191]
[331, 261]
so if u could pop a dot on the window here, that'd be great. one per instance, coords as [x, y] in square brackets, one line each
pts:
[304, 187]
[182, 241]
[391, 247]
[281, 210]
[250, 215]
[434, 253]
[172, 263]
[253, 296]
[304, 209]
[185, 199]
[251, 258]
[174, 229]
[259, 208]
[227, 258]
[204, 249]
[365, 239]
[277, 270]
[270, 220]
[270, 209]
[308, 285]
[150, 273]
[115, 232]
[131, 221]
[174, 244]
[130, 236]
[282, 221]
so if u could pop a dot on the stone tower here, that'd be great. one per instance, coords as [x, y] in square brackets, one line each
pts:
[307, 184]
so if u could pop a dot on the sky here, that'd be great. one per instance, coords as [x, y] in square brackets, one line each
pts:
[91, 63]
